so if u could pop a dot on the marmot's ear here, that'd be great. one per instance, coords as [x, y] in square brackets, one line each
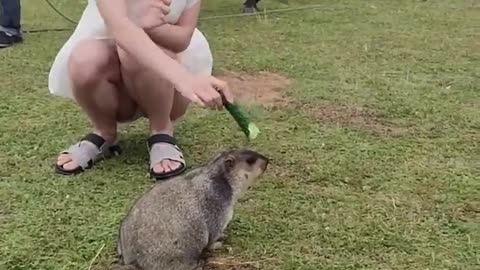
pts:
[230, 163]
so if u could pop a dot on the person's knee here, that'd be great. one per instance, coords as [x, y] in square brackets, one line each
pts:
[90, 62]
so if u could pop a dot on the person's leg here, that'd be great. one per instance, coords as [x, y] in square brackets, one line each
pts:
[157, 99]
[250, 6]
[94, 69]
[10, 32]
[10, 15]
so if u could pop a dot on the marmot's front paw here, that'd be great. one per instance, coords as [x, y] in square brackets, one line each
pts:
[222, 237]
[216, 246]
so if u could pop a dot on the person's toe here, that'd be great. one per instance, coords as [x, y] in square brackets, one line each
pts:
[158, 168]
[174, 165]
[63, 158]
[70, 166]
[167, 165]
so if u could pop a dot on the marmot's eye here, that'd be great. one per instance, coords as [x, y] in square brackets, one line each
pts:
[251, 160]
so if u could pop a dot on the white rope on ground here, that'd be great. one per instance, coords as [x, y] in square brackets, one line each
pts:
[271, 11]
[60, 13]
[260, 13]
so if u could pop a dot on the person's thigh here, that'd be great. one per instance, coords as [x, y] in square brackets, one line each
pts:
[197, 59]
[95, 62]
[134, 74]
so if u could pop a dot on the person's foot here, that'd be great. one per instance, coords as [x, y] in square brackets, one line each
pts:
[166, 166]
[84, 154]
[249, 10]
[7, 39]
[166, 159]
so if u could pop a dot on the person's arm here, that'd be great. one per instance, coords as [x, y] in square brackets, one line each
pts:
[134, 41]
[176, 38]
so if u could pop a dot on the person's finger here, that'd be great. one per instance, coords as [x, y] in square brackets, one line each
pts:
[218, 101]
[208, 98]
[166, 2]
[228, 95]
[222, 87]
[163, 8]
[198, 101]
[215, 98]
[218, 94]
[210, 102]
[194, 98]
[202, 98]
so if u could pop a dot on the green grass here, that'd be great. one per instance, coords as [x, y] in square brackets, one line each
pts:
[335, 196]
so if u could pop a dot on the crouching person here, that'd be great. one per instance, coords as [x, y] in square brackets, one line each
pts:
[129, 59]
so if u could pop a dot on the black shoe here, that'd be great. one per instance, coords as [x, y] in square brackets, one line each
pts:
[7, 39]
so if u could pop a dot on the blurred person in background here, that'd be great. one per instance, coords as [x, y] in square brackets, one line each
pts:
[10, 30]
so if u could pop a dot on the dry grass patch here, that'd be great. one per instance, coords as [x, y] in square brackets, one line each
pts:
[231, 263]
[263, 88]
[356, 117]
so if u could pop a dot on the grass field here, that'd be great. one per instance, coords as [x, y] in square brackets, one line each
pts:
[376, 154]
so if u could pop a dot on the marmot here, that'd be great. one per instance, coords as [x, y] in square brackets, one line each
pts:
[171, 225]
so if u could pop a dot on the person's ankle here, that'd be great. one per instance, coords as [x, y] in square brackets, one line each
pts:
[167, 129]
[109, 137]
[11, 31]
[167, 132]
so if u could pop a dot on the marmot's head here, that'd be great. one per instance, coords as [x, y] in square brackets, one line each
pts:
[241, 168]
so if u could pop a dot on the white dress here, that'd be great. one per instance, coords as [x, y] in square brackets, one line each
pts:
[197, 58]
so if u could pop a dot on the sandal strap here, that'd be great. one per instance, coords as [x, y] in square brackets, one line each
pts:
[95, 139]
[91, 148]
[162, 147]
[161, 138]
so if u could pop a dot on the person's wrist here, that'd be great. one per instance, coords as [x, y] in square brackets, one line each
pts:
[179, 78]
[158, 29]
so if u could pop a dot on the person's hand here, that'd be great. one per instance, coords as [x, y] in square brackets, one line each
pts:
[148, 14]
[206, 91]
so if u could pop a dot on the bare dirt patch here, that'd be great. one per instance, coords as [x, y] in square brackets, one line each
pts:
[230, 263]
[216, 260]
[262, 88]
[355, 117]
[5, 215]
[469, 212]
